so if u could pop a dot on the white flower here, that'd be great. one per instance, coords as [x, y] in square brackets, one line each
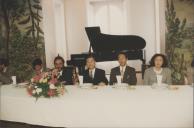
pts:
[39, 90]
[52, 86]
[35, 86]
[33, 92]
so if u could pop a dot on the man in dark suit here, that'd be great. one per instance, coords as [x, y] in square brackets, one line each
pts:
[5, 75]
[92, 74]
[128, 74]
[63, 74]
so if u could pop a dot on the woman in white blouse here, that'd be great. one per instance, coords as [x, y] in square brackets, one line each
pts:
[158, 72]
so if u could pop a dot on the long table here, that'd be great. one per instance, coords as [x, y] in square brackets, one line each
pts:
[142, 107]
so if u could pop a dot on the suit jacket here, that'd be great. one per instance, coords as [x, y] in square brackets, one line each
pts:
[129, 75]
[5, 77]
[99, 76]
[151, 78]
[67, 76]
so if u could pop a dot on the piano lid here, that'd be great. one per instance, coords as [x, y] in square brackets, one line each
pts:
[109, 43]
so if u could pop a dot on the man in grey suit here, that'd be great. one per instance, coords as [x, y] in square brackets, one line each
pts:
[127, 73]
[4, 73]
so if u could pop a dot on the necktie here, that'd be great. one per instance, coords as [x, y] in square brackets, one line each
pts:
[122, 73]
[90, 74]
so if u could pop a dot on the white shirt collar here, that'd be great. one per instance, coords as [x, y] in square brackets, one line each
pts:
[60, 73]
[123, 67]
[93, 71]
[158, 72]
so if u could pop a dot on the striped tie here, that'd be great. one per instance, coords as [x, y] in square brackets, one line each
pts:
[122, 73]
[90, 74]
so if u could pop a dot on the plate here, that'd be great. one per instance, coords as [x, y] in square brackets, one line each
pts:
[173, 87]
[86, 85]
[122, 85]
[161, 86]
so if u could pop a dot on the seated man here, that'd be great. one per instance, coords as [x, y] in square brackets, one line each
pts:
[92, 74]
[128, 74]
[5, 77]
[62, 73]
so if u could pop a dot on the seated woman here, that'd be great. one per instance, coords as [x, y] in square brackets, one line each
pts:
[158, 65]
[38, 70]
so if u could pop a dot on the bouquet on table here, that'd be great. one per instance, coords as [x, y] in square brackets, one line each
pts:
[45, 85]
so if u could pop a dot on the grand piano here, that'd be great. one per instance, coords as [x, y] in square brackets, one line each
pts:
[106, 48]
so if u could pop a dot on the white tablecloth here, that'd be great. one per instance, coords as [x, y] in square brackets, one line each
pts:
[143, 107]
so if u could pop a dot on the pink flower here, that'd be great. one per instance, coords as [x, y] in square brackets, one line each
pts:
[51, 92]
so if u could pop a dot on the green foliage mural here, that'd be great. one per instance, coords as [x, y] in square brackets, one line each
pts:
[21, 38]
[179, 37]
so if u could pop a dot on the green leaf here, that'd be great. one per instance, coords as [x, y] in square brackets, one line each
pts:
[36, 1]
[38, 7]
[29, 27]
[25, 21]
[28, 32]
[37, 18]
[39, 29]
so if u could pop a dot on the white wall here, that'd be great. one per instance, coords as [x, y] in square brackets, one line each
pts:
[131, 17]
[49, 31]
[110, 15]
[75, 22]
[162, 22]
[141, 19]
[63, 24]
[65, 34]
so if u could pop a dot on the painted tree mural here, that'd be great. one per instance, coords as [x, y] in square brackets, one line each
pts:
[21, 38]
[179, 40]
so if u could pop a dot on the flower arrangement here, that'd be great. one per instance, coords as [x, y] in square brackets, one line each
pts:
[45, 86]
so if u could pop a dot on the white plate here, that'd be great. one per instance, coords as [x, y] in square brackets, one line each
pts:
[161, 86]
[122, 85]
[86, 85]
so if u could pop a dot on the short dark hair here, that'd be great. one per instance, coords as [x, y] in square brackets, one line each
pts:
[37, 61]
[122, 53]
[4, 61]
[165, 61]
[90, 56]
[59, 58]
